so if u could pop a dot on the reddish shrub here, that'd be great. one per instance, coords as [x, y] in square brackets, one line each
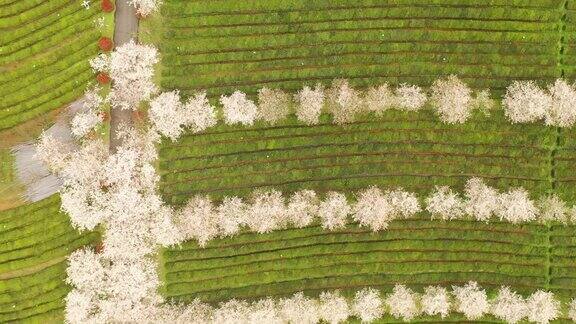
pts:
[103, 78]
[107, 6]
[138, 115]
[105, 44]
[105, 115]
[99, 248]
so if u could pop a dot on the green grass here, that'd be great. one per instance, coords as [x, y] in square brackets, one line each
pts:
[10, 188]
[34, 242]
[44, 56]
[226, 45]
[565, 168]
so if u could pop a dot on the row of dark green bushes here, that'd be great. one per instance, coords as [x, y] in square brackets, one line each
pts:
[411, 150]
[416, 252]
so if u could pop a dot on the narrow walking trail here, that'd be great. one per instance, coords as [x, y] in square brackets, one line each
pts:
[126, 29]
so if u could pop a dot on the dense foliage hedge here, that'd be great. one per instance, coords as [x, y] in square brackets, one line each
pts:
[411, 150]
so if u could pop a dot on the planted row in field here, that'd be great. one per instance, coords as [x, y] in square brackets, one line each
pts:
[415, 252]
[226, 45]
[415, 152]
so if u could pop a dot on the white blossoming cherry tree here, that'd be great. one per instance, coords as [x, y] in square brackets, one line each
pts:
[145, 7]
[117, 191]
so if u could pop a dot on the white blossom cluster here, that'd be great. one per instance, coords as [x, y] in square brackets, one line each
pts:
[369, 305]
[118, 192]
[453, 101]
[168, 115]
[145, 7]
[90, 116]
[526, 102]
[131, 68]
[110, 290]
[481, 202]
[267, 210]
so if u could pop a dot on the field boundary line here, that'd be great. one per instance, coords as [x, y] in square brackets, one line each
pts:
[31, 270]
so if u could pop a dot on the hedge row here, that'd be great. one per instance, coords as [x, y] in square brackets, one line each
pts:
[414, 152]
[415, 252]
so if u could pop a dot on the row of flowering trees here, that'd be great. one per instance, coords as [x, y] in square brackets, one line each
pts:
[267, 210]
[118, 192]
[453, 101]
[87, 271]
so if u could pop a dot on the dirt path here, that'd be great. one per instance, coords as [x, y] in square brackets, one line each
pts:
[126, 28]
[30, 171]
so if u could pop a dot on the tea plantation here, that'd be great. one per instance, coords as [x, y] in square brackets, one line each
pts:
[44, 51]
[225, 45]
[34, 242]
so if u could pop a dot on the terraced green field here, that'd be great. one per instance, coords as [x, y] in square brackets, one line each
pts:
[565, 166]
[412, 150]
[44, 51]
[563, 264]
[568, 53]
[414, 252]
[226, 45]
[34, 242]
